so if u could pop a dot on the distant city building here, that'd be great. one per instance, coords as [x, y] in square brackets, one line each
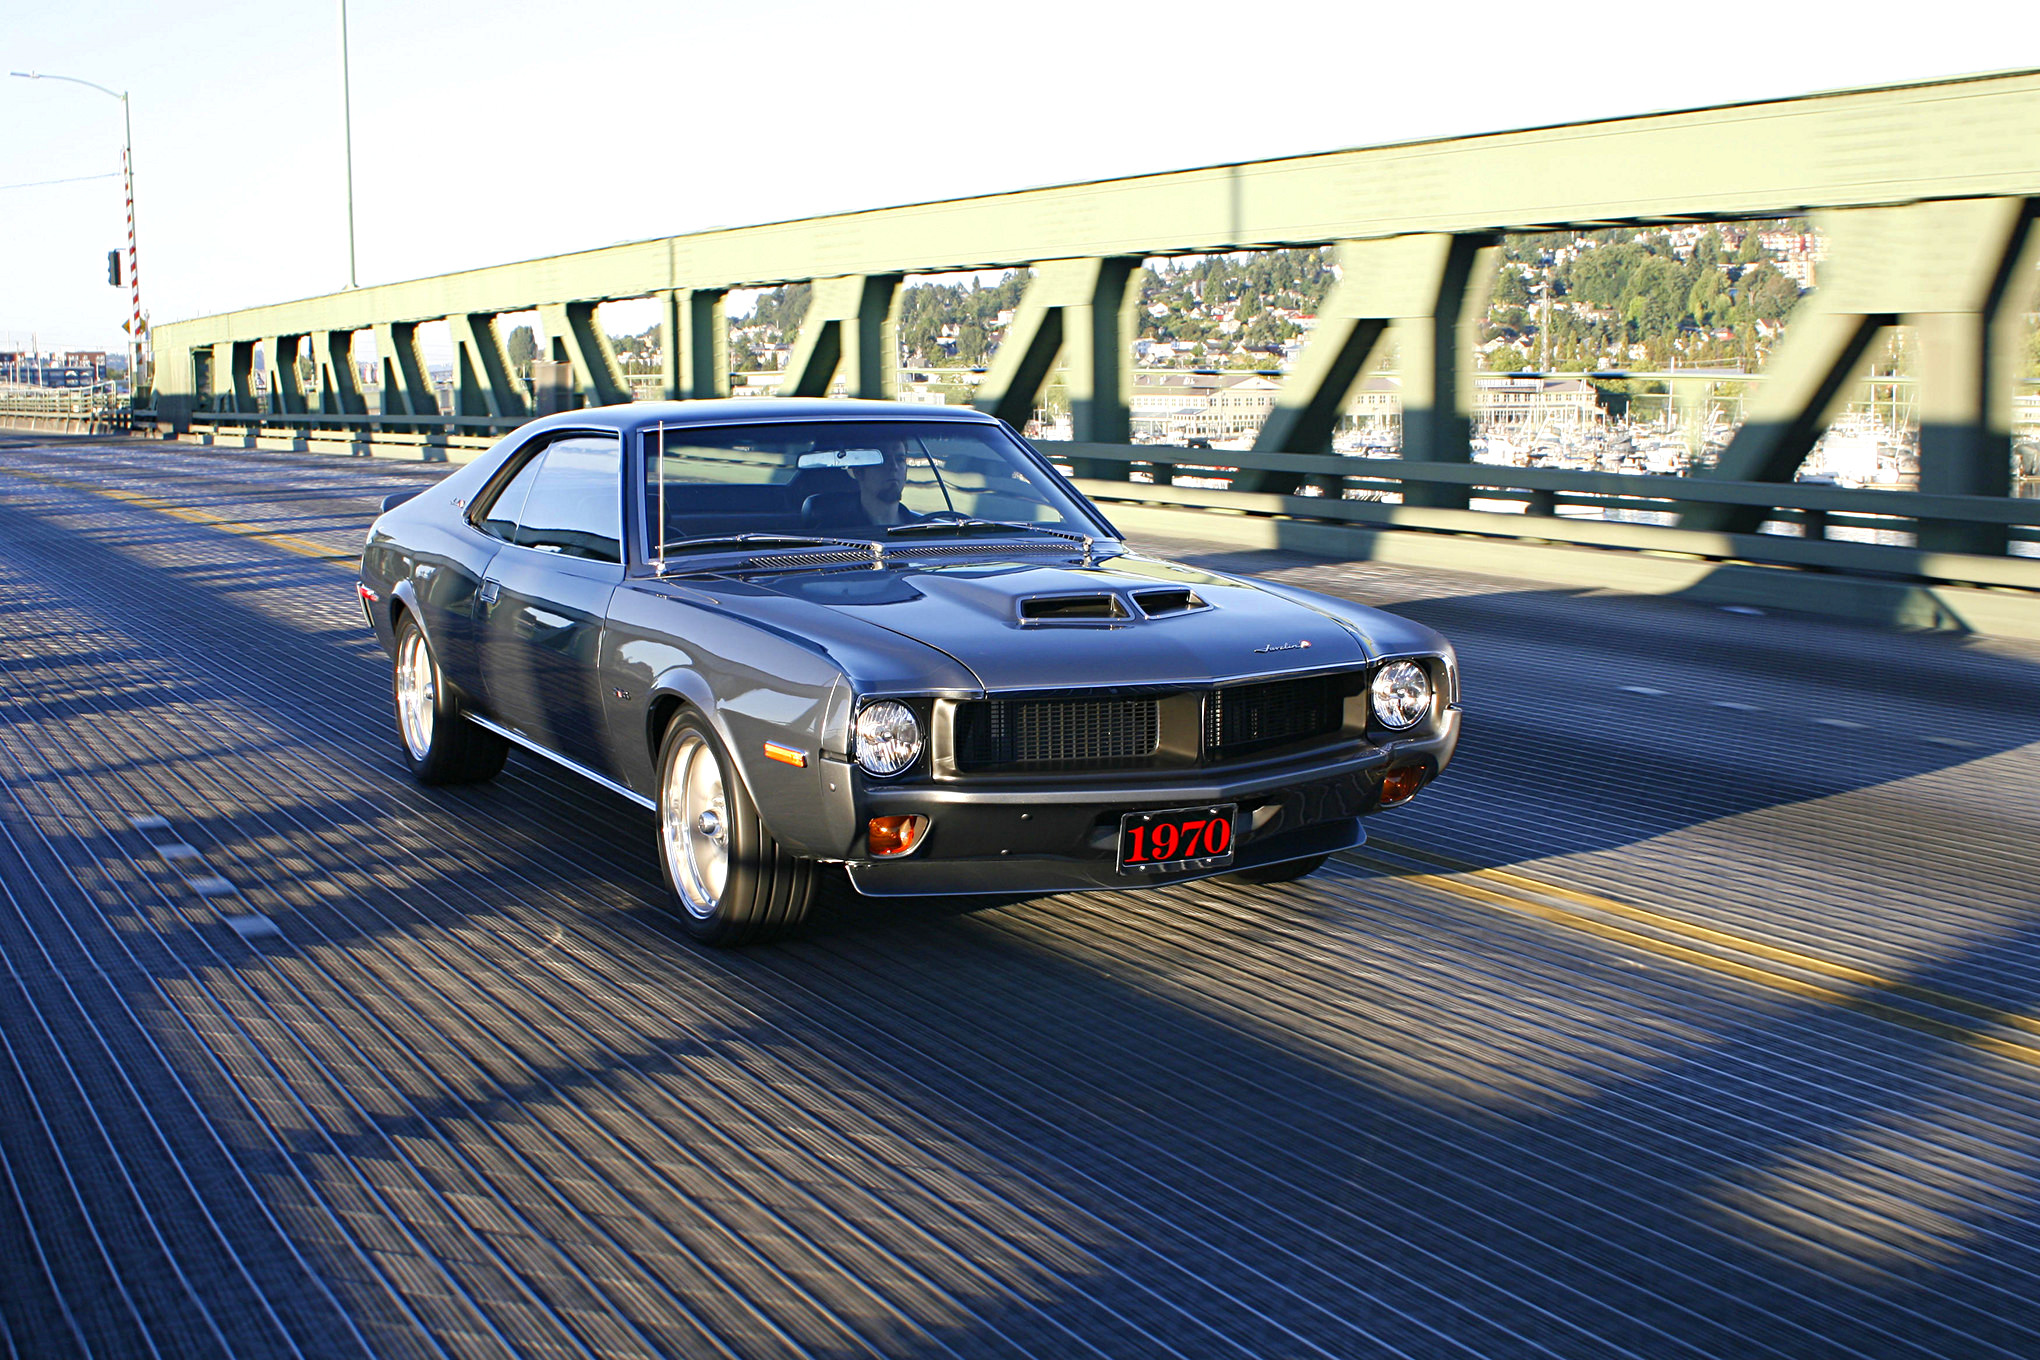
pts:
[1798, 253]
[70, 368]
[1506, 400]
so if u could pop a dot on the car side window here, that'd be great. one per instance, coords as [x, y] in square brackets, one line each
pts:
[576, 506]
[500, 519]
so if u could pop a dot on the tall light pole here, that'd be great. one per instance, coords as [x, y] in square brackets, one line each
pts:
[347, 127]
[127, 167]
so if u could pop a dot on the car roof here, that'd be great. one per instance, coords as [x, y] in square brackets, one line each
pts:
[638, 415]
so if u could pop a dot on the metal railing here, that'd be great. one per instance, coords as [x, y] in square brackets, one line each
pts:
[1610, 510]
[72, 410]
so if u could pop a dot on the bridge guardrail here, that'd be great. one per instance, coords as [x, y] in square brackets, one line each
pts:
[1542, 493]
[1544, 490]
[64, 411]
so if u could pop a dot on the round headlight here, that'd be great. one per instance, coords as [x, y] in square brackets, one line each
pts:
[888, 737]
[1400, 694]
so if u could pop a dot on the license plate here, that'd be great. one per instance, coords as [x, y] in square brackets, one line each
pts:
[1176, 838]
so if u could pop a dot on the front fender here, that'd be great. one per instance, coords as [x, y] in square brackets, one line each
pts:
[803, 805]
[688, 687]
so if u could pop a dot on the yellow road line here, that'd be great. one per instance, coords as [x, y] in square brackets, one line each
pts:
[1458, 885]
[303, 547]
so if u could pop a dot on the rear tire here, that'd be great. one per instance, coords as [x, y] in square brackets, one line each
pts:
[1287, 872]
[736, 884]
[440, 746]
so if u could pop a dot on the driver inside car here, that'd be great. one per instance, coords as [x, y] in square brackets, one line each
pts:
[879, 486]
[876, 500]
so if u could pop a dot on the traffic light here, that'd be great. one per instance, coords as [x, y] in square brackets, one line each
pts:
[113, 267]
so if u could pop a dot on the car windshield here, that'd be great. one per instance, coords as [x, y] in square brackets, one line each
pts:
[706, 485]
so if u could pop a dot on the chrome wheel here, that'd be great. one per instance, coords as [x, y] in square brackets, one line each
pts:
[417, 693]
[694, 818]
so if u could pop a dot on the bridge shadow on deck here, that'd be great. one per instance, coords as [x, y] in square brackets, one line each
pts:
[1342, 1116]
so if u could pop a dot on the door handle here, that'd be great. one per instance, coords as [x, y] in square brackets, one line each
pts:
[490, 589]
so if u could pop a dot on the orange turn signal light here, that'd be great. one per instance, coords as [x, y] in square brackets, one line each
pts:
[890, 836]
[1399, 786]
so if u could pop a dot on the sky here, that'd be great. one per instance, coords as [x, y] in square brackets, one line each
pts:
[487, 133]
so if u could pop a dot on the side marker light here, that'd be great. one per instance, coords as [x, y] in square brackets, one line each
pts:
[791, 755]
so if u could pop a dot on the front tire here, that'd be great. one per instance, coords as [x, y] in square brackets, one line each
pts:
[736, 884]
[440, 746]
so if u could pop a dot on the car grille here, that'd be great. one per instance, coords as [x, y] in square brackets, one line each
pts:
[1045, 736]
[1243, 719]
[1057, 734]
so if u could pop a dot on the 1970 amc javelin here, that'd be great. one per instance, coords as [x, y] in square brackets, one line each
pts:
[894, 639]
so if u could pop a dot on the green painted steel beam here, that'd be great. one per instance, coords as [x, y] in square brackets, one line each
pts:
[1960, 272]
[695, 356]
[339, 389]
[484, 384]
[575, 338]
[406, 385]
[286, 391]
[1082, 311]
[852, 324]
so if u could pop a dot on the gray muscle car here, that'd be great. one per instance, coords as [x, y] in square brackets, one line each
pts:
[893, 639]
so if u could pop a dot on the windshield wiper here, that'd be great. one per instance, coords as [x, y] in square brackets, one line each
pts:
[864, 545]
[932, 525]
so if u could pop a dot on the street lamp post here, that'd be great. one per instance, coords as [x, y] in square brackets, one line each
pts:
[347, 131]
[127, 167]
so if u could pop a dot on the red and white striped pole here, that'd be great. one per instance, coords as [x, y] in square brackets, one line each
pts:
[127, 165]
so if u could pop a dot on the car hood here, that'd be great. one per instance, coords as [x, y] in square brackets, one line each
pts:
[1021, 625]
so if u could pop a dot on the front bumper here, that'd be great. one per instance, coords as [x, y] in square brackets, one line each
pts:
[1065, 839]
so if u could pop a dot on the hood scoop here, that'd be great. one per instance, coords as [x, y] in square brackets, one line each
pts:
[1092, 608]
[1157, 603]
[1109, 606]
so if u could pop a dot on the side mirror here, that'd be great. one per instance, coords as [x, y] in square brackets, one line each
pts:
[397, 498]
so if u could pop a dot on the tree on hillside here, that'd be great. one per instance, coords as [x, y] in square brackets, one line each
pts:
[1653, 302]
[1268, 330]
[1763, 293]
[1707, 251]
[1511, 290]
[971, 346]
[1707, 301]
[1600, 276]
[782, 309]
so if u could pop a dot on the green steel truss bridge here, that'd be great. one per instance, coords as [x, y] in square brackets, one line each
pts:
[1926, 195]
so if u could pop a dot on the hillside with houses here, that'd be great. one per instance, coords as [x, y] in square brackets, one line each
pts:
[1558, 302]
[1215, 333]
